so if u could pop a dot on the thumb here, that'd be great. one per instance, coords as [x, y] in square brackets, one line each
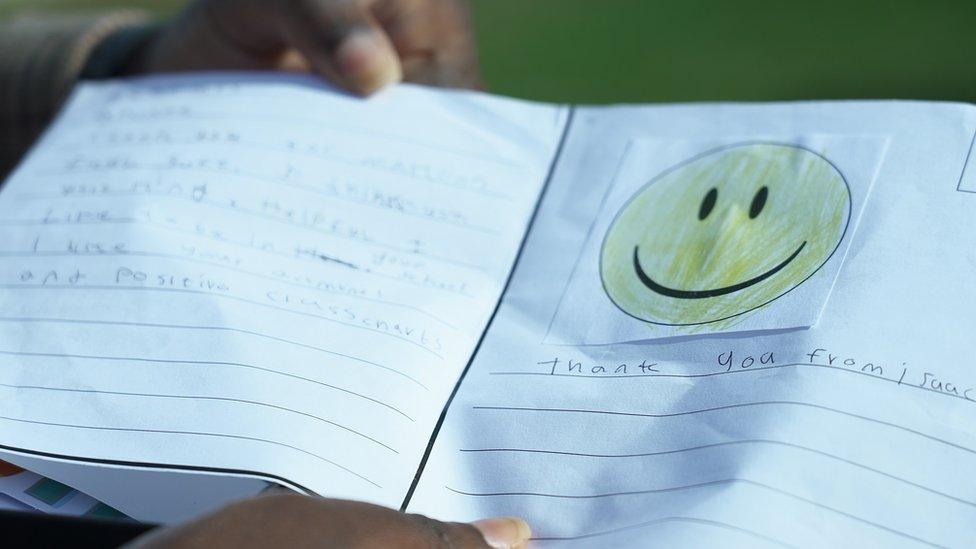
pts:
[495, 533]
[342, 40]
[507, 532]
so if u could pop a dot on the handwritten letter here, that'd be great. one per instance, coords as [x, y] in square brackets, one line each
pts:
[257, 275]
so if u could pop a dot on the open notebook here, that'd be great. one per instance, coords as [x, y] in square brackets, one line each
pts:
[718, 324]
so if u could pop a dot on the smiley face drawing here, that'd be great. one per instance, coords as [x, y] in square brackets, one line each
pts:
[724, 233]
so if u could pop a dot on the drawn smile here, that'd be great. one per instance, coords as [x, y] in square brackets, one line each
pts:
[701, 294]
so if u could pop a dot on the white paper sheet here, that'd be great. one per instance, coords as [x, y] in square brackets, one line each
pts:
[857, 432]
[742, 235]
[257, 274]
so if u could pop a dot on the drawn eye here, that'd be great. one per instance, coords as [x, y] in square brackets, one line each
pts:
[758, 202]
[708, 203]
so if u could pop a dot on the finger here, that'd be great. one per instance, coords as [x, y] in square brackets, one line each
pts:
[342, 41]
[427, 532]
[412, 25]
[502, 533]
[433, 39]
[508, 532]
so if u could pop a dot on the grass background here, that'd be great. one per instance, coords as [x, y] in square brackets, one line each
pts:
[600, 51]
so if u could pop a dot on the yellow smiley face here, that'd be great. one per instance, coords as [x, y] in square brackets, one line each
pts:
[724, 234]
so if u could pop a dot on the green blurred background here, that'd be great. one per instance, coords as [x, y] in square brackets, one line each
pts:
[599, 51]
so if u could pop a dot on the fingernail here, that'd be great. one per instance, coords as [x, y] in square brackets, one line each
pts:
[504, 533]
[366, 58]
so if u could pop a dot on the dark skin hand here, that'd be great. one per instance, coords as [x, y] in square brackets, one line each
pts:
[299, 521]
[361, 45]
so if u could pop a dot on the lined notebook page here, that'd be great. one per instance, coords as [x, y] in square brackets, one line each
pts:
[856, 432]
[258, 274]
